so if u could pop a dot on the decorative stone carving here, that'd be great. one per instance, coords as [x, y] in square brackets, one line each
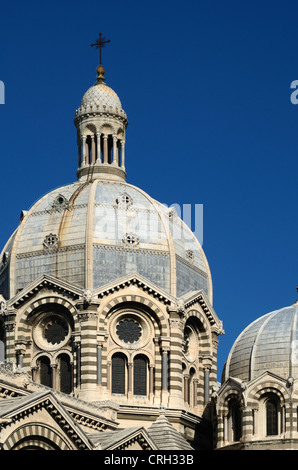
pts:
[131, 240]
[60, 204]
[51, 331]
[190, 256]
[51, 243]
[128, 330]
[124, 201]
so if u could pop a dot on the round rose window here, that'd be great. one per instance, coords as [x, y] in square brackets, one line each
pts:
[128, 330]
[55, 331]
[51, 331]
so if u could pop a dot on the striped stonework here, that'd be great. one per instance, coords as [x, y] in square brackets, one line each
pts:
[175, 361]
[36, 436]
[122, 305]
[207, 359]
[88, 323]
[252, 398]
[23, 330]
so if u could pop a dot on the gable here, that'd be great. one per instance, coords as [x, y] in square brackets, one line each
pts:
[39, 421]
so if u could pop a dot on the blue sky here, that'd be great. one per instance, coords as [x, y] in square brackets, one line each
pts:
[206, 87]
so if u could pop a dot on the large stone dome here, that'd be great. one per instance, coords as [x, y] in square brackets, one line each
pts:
[270, 343]
[100, 228]
[95, 232]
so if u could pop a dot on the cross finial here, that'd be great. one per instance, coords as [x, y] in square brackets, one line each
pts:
[99, 44]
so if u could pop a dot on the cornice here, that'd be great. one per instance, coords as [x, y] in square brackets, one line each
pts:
[45, 281]
[141, 283]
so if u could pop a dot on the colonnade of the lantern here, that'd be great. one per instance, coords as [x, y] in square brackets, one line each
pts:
[101, 149]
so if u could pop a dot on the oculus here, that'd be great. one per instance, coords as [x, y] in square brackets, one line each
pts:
[51, 331]
[129, 330]
[60, 204]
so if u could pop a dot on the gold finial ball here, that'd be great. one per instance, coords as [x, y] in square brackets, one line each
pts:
[100, 73]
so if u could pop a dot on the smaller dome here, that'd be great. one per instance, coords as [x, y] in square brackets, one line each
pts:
[101, 95]
[270, 343]
[100, 99]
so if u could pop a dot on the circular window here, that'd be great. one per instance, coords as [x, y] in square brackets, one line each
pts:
[56, 330]
[128, 330]
[51, 331]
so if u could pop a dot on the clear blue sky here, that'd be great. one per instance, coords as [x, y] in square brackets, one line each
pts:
[206, 87]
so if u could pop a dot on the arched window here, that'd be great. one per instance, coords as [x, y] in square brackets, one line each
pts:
[140, 367]
[45, 371]
[235, 420]
[271, 417]
[65, 373]
[118, 373]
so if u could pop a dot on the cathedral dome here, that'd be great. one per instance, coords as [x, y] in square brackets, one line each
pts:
[100, 228]
[94, 232]
[267, 344]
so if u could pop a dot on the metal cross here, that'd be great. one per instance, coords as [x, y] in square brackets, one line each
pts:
[100, 43]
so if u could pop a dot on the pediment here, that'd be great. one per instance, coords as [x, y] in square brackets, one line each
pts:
[124, 439]
[268, 376]
[200, 298]
[231, 383]
[44, 282]
[44, 410]
[139, 281]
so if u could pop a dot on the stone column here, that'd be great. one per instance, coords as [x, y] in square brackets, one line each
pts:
[186, 388]
[99, 364]
[98, 159]
[86, 151]
[92, 148]
[206, 384]
[207, 364]
[164, 372]
[83, 151]
[195, 393]
[151, 382]
[34, 372]
[109, 376]
[54, 376]
[122, 154]
[164, 369]
[20, 350]
[78, 364]
[105, 149]
[129, 379]
[115, 150]
[176, 385]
